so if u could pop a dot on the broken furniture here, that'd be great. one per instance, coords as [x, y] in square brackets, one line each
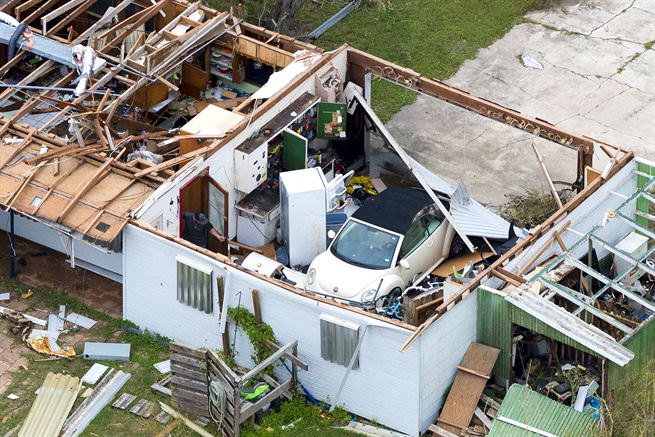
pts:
[470, 380]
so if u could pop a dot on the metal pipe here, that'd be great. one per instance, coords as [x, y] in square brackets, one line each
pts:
[12, 252]
[49, 88]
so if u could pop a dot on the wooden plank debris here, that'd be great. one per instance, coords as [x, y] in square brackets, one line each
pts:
[123, 401]
[471, 378]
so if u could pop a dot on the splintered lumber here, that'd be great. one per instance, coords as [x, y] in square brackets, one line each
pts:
[470, 380]
[187, 422]
[172, 162]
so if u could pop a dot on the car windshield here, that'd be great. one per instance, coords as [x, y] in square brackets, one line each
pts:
[365, 246]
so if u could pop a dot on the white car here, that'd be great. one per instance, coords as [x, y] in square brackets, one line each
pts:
[385, 245]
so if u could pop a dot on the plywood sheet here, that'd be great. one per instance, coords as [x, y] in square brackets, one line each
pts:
[212, 119]
[470, 380]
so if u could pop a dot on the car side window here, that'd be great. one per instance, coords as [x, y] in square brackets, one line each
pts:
[422, 227]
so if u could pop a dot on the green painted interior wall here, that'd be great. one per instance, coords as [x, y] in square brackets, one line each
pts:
[494, 328]
[643, 204]
[643, 346]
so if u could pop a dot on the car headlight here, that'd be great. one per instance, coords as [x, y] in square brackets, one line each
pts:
[368, 296]
[311, 276]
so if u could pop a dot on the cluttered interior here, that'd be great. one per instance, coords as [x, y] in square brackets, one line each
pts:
[147, 88]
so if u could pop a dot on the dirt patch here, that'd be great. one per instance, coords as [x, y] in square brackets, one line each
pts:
[40, 266]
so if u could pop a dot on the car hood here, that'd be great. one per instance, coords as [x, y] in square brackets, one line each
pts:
[350, 280]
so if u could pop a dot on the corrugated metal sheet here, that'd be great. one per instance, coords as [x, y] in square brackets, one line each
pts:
[474, 219]
[495, 328]
[495, 318]
[530, 408]
[53, 403]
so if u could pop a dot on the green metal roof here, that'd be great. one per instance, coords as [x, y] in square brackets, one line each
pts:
[541, 414]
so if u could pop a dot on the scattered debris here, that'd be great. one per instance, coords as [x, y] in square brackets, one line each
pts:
[88, 392]
[13, 396]
[113, 381]
[163, 417]
[188, 422]
[531, 208]
[123, 401]
[53, 403]
[55, 324]
[143, 408]
[530, 62]
[94, 373]
[80, 320]
[5, 296]
[44, 345]
[161, 386]
[163, 366]
[107, 351]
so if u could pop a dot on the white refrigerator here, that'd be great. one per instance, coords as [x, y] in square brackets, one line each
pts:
[302, 216]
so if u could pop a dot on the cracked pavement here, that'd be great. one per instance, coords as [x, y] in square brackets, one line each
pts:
[598, 80]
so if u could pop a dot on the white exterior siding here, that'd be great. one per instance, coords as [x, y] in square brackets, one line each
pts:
[443, 346]
[86, 254]
[385, 387]
[150, 290]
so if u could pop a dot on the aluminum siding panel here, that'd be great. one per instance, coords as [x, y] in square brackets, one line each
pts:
[443, 346]
[494, 328]
[53, 403]
[150, 290]
[531, 408]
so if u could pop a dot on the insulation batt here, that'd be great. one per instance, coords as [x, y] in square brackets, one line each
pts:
[83, 57]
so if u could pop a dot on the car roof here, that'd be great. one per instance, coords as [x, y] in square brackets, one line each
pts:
[393, 209]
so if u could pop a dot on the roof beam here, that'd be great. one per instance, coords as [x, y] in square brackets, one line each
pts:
[54, 185]
[571, 296]
[415, 81]
[636, 225]
[625, 256]
[605, 280]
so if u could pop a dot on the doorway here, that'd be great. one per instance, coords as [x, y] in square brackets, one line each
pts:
[204, 194]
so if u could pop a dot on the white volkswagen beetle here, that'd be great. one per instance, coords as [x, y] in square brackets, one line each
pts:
[385, 245]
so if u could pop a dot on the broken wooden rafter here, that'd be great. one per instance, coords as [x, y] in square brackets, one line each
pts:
[172, 162]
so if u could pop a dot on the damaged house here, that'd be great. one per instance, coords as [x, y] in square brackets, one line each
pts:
[124, 138]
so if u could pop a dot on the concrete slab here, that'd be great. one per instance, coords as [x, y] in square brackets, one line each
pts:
[597, 81]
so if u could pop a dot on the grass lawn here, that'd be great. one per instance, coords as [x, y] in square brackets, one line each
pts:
[145, 352]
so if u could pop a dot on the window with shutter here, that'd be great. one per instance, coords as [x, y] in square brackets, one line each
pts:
[338, 340]
[194, 286]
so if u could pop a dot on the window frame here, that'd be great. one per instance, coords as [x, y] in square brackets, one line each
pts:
[200, 300]
[329, 349]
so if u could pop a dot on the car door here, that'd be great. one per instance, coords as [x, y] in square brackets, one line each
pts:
[418, 247]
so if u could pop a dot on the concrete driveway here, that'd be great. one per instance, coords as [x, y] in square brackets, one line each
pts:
[598, 79]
